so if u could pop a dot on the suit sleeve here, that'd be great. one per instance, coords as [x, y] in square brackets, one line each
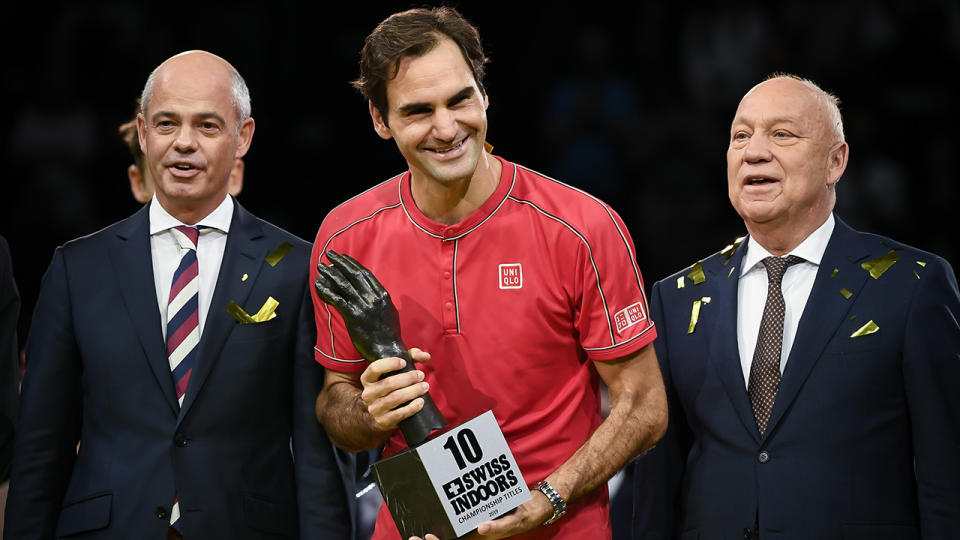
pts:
[324, 474]
[50, 413]
[658, 473]
[9, 358]
[931, 363]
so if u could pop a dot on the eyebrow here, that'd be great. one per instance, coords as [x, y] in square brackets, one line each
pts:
[201, 115]
[466, 92]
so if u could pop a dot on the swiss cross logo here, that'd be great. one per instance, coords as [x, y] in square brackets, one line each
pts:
[630, 316]
[511, 276]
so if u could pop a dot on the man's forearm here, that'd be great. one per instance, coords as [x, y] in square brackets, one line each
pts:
[346, 420]
[634, 425]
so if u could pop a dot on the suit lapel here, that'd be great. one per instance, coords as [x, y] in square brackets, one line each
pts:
[244, 253]
[133, 265]
[724, 352]
[825, 311]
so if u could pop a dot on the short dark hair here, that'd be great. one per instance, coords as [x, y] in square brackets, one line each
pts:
[128, 132]
[414, 32]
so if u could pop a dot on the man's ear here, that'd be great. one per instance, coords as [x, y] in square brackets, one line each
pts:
[245, 137]
[137, 186]
[379, 122]
[235, 184]
[838, 163]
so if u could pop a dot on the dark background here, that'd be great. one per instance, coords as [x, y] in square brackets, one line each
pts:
[631, 103]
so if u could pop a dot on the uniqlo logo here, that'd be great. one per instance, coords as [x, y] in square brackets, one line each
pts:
[511, 276]
[630, 316]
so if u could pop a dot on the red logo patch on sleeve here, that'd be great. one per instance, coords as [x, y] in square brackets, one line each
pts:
[629, 316]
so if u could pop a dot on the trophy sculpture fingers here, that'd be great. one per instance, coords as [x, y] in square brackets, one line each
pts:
[374, 327]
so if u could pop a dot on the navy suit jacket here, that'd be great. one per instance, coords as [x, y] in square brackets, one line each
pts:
[864, 437]
[97, 374]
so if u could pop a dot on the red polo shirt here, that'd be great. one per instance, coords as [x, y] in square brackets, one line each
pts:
[512, 303]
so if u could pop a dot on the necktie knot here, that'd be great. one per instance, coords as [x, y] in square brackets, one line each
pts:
[186, 236]
[777, 266]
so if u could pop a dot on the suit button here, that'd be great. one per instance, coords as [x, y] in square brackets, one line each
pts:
[180, 439]
[763, 457]
[161, 512]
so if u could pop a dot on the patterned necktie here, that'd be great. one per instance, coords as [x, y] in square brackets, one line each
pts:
[765, 369]
[183, 324]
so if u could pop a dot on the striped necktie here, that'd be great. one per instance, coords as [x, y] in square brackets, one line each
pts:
[183, 324]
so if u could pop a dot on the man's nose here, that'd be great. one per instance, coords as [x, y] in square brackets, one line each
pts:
[186, 140]
[444, 125]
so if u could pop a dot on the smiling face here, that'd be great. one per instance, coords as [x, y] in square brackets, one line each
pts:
[436, 114]
[784, 159]
[190, 136]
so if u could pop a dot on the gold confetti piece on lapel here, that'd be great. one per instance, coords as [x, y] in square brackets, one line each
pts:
[834, 273]
[728, 251]
[276, 255]
[680, 282]
[916, 274]
[846, 294]
[922, 263]
[238, 313]
[881, 264]
[267, 312]
[695, 313]
[244, 277]
[696, 273]
[730, 273]
[866, 329]
[852, 318]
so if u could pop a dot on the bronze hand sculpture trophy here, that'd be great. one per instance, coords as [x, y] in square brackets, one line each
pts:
[374, 327]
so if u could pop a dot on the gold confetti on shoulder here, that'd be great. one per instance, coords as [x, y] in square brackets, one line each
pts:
[730, 273]
[869, 328]
[846, 294]
[881, 264]
[696, 273]
[278, 254]
[244, 277]
[680, 282]
[728, 251]
[922, 263]
[834, 273]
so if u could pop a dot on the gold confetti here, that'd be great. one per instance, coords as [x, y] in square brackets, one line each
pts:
[729, 251]
[487, 146]
[922, 263]
[731, 271]
[916, 274]
[846, 294]
[695, 313]
[680, 282]
[881, 264]
[852, 318]
[244, 277]
[834, 273]
[267, 311]
[696, 273]
[866, 329]
[276, 255]
[892, 246]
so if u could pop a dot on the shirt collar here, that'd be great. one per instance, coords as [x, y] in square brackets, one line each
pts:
[220, 218]
[811, 250]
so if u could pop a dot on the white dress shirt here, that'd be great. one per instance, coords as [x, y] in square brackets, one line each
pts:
[166, 254]
[796, 286]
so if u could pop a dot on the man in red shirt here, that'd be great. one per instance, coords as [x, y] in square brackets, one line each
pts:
[524, 290]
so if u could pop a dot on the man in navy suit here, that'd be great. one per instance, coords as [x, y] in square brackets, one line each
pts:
[824, 408]
[168, 452]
